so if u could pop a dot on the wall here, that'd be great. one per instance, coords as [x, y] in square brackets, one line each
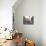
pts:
[6, 13]
[43, 22]
[29, 8]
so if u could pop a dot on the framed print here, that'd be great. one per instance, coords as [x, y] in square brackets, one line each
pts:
[28, 19]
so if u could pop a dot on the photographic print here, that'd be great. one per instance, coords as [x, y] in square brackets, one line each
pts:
[28, 19]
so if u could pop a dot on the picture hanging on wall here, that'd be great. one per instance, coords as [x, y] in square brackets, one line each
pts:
[28, 19]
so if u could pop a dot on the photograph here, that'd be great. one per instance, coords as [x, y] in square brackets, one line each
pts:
[28, 19]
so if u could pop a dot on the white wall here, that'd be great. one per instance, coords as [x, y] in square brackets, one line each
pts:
[6, 13]
[43, 22]
[29, 8]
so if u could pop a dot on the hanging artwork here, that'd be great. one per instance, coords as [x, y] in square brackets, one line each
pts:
[28, 19]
